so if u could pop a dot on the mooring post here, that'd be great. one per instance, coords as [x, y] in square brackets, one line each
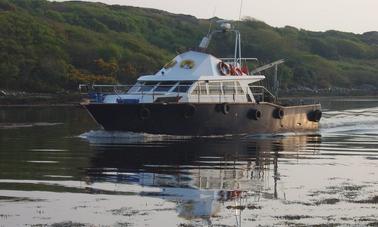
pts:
[275, 82]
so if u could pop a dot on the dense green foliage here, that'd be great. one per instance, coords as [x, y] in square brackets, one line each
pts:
[51, 46]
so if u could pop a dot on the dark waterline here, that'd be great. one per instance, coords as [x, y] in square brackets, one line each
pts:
[57, 167]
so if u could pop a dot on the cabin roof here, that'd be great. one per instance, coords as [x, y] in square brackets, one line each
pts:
[193, 66]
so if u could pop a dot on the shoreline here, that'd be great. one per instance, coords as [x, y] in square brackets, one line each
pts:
[41, 99]
[74, 100]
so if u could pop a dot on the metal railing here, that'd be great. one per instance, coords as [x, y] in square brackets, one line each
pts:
[200, 93]
[242, 60]
[104, 89]
[260, 93]
[98, 92]
[134, 89]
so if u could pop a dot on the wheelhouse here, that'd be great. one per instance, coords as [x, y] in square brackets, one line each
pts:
[201, 91]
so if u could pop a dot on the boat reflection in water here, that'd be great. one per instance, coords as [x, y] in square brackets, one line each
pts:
[204, 176]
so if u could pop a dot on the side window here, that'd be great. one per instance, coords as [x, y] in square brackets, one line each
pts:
[215, 88]
[183, 86]
[148, 86]
[200, 89]
[165, 86]
[136, 87]
[229, 88]
[239, 89]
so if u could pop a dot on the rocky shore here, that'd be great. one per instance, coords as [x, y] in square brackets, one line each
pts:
[74, 98]
[11, 98]
[365, 90]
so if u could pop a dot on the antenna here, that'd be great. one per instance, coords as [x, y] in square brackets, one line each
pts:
[241, 8]
[211, 22]
[240, 11]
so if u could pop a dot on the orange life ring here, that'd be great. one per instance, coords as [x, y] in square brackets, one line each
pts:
[224, 68]
[238, 72]
[232, 70]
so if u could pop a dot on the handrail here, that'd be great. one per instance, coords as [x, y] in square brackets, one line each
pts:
[123, 89]
[268, 66]
[264, 89]
[243, 59]
[222, 93]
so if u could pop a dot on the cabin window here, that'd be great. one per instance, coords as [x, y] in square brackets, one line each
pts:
[136, 87]
[200, 89]
[183, 86]
[229, 88]
[165, 86]
[148, 86]
[239, 89]
[215, 88]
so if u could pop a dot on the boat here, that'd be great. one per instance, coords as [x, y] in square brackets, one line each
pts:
[198, 94]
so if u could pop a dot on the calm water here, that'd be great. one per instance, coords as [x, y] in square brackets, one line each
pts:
[57, 168]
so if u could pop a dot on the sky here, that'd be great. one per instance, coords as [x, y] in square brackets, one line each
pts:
[356, 16]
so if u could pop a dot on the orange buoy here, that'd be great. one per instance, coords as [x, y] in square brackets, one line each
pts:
[224, 68]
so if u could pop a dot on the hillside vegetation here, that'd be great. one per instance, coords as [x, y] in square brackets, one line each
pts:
[51, 46]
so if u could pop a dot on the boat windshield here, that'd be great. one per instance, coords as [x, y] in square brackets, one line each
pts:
[239, 89]
[161, 86]
[135, 88]
[215, 88]
[183, 86]
[148, 86]
[165, 86]
[200, 89]
[229, 88]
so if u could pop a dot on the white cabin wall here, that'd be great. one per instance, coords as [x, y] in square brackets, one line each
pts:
[189, 97]
[247, 90]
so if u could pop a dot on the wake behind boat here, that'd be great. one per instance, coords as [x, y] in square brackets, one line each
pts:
[198, 94]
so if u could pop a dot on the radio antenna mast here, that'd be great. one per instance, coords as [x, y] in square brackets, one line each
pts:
[240, 11]
[211, 22]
